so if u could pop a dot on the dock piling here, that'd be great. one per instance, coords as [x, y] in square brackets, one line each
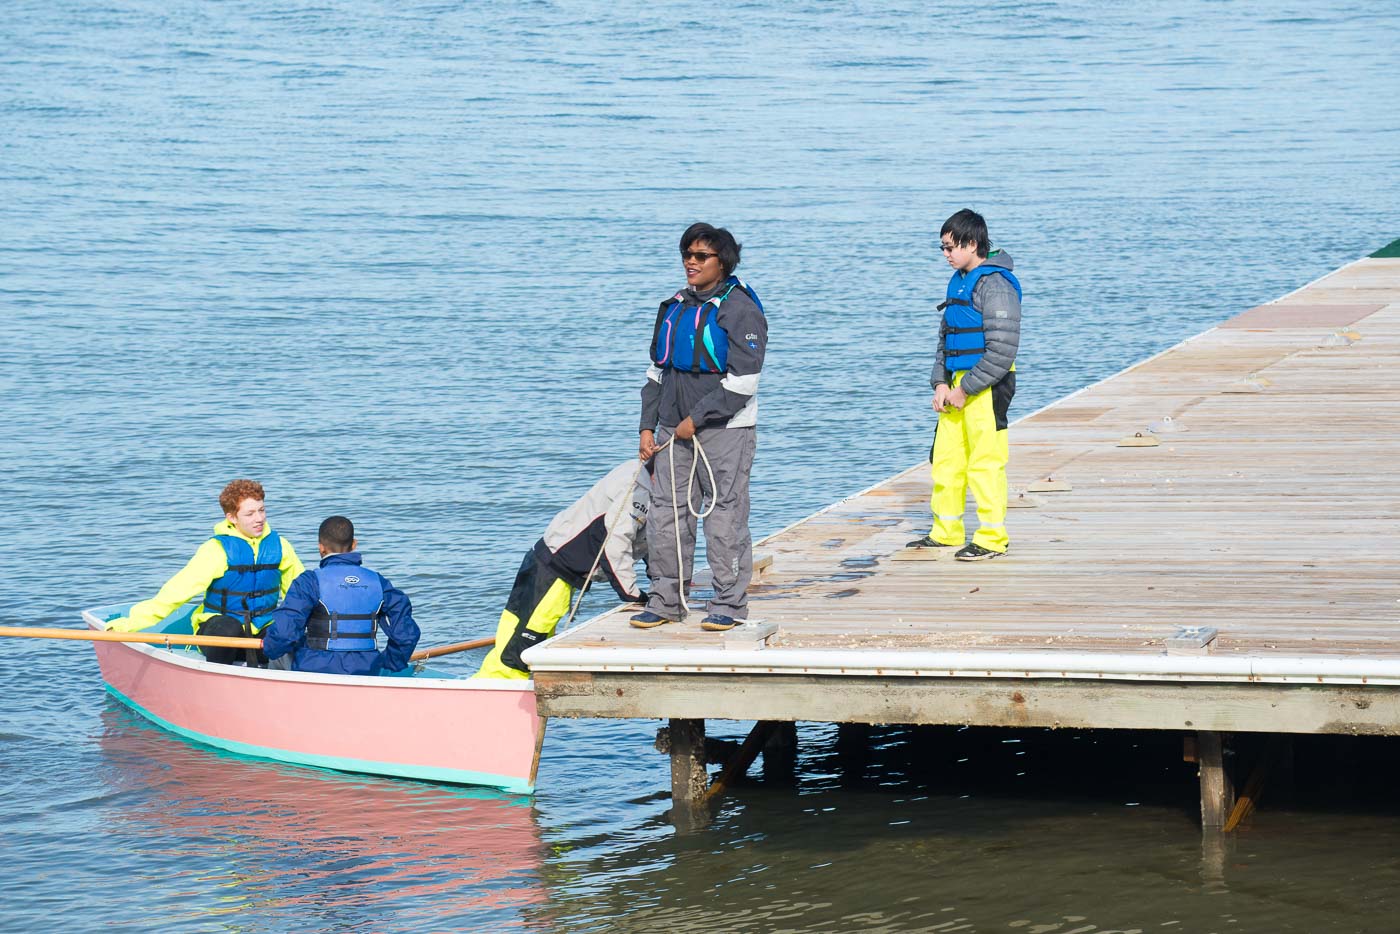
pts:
[780, 753]
[1217, 787]
[689, 780]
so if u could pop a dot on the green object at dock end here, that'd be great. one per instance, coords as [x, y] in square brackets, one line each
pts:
[1392, 251]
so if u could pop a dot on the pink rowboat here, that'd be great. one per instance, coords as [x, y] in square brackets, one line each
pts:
[419, 723]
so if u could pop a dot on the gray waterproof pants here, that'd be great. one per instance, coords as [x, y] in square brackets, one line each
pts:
[727, 541]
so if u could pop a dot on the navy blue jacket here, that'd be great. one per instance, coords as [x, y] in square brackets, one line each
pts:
[287, 631]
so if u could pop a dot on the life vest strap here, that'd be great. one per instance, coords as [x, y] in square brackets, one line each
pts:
[359, 641]
[246, 593]
[337, 618]
[717, 299]
[953, 301]
[965, 331]
[324, 645]
[254, 568]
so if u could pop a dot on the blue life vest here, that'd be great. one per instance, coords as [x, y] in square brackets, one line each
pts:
[964, 341]
[691, 339]
[352, 600]
[249, 589]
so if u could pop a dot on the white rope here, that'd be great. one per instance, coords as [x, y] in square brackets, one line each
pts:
[619, 507]
[676, 510]
[608, 525]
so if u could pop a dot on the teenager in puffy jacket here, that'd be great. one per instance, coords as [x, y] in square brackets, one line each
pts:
[974, 379]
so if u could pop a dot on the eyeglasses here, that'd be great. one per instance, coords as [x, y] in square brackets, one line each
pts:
[700, 256]
[947, 247]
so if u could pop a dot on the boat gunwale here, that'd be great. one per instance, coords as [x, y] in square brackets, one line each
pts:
[417, 682]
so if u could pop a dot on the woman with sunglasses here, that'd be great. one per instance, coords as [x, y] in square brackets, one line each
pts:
[702, 389]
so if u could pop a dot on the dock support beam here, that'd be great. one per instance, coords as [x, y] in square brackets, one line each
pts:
[780, 753]
[1217, 788]
[689, 780]
[762, 732]
[853, 750]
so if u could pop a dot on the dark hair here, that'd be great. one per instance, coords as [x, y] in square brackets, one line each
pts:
[337, 534]
[720, 239]
[967, 226]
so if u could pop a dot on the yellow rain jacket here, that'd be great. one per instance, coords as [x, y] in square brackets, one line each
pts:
[208, 565]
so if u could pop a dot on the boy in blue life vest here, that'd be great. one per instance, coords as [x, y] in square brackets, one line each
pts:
[974, 378]
[242, 573]
[332, 614]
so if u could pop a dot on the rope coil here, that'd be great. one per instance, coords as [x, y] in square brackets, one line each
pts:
[676, 509]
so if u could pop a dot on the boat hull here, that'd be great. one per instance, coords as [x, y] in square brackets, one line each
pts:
[430, 728]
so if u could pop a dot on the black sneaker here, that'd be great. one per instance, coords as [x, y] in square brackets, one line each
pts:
[975, 552]
[926, 542]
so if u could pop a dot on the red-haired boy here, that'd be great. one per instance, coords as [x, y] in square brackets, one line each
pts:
[242, 573]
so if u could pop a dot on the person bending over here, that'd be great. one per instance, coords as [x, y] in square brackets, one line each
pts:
[613, 510]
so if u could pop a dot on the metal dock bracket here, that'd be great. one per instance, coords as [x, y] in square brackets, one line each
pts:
[1191, 640]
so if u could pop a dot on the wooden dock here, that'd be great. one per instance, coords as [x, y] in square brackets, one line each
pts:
[1206, 542]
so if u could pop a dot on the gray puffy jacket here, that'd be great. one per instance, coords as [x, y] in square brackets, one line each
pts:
[995, 297]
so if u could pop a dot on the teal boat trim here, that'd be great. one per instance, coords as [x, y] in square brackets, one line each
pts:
[338, 763]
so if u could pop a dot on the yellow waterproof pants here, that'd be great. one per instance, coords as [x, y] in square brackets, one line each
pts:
[970, 449]
[537, 602]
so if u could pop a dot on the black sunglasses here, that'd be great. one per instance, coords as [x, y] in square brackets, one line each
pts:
[700, 256]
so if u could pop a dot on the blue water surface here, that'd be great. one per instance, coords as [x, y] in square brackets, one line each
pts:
[400, 262]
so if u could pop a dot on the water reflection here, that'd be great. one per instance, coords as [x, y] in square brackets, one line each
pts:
[981, 831]
[233, 834]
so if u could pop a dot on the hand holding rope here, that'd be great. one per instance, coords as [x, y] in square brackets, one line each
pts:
[620, 506]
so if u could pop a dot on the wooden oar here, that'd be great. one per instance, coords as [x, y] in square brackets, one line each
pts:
[231, 642]
[151, 638]
[449, 649]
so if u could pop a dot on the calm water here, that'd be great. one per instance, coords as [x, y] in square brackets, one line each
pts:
[400, 261]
